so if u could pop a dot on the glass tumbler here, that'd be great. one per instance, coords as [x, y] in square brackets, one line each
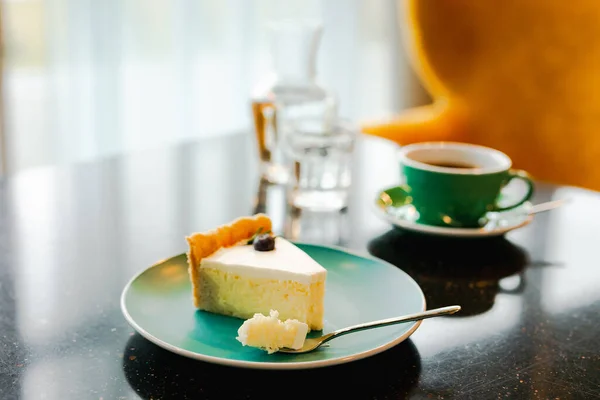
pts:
[321, 152]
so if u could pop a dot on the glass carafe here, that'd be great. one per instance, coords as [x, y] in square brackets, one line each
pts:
[288, 92]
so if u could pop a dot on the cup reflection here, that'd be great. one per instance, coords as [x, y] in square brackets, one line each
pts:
[454, 270]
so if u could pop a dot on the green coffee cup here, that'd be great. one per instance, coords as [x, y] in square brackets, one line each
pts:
[456, 184]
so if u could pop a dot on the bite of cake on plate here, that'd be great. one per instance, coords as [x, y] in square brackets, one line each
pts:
[241, 269]
[271, 334]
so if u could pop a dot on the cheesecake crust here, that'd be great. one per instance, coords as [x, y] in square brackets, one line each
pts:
[204, 244]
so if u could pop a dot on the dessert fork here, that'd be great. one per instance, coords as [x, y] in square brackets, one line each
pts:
[314, 343]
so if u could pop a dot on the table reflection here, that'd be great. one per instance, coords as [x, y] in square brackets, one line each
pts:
[155, 373]
[486, 277]
[455, 271]
[325, 228]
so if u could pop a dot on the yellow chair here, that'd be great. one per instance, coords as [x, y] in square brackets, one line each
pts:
[522, 76]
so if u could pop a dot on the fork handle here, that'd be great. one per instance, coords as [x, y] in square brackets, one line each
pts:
[393, 321]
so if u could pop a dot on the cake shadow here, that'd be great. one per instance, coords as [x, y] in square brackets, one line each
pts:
[460, 271]
[155, 373]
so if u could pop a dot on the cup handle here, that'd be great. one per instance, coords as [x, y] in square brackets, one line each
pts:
[518, 289]
[525, 177]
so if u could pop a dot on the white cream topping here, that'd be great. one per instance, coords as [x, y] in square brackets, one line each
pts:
[285, 262]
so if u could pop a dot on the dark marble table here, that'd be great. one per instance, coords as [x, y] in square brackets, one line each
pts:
[71, 237]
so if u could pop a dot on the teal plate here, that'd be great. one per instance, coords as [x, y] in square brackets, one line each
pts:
[157, 303]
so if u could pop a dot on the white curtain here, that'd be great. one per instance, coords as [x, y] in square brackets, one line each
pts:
[90, 78]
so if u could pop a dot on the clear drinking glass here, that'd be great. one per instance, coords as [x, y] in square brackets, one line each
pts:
[321, 152]
[289, 91]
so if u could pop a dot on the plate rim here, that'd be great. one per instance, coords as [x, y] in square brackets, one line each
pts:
[274, 365]
[439, 230]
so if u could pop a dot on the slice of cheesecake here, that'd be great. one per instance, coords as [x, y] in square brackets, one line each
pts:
[240, 269]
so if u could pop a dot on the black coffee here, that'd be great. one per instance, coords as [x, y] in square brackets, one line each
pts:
[452, 164]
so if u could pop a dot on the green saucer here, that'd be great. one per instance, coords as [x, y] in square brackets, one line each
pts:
[394, 206]
[157, 303]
